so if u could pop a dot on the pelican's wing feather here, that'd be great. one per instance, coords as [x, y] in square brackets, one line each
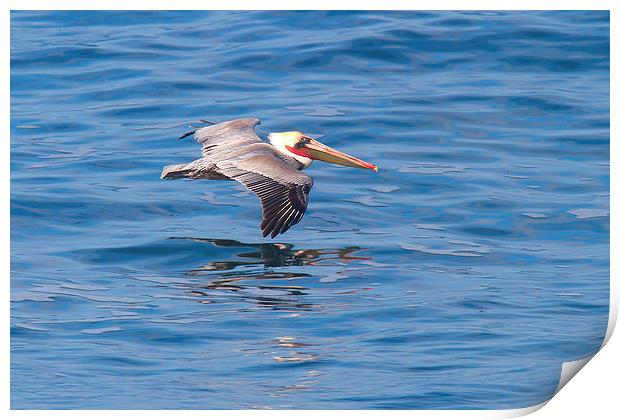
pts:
[282, 189]
[227, 136]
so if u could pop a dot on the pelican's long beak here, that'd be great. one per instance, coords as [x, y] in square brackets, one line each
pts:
[317, 150]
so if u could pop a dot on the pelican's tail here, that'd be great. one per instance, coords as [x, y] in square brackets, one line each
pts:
[191, 133]
[175, 171]
[198, 169]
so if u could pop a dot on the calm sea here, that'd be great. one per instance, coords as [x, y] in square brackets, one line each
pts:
[461, 275]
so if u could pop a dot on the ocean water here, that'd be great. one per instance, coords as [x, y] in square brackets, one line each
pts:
[461, 275]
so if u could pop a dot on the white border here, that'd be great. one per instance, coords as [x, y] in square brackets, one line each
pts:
[303, 5]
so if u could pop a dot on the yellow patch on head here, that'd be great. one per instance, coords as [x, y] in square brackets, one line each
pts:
[286, 138]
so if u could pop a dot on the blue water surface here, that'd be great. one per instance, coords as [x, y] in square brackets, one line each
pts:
[461, 275]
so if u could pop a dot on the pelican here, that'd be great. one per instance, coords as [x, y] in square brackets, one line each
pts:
[232, 150]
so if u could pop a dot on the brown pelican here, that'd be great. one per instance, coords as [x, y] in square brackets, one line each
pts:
[233, 150]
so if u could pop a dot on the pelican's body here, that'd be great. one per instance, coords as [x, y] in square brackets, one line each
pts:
[233, 150]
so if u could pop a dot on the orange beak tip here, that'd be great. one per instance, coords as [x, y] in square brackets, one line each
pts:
[375, 168]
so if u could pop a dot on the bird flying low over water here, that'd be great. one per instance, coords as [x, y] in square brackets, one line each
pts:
[232, 150]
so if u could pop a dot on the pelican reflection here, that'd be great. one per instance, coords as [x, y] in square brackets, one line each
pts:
[277, 255]
[249, 272]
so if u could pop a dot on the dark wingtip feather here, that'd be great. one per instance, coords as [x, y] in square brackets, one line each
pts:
[189, 133]
[290, 224]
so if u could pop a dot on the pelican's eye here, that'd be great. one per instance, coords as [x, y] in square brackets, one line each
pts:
[302, 142]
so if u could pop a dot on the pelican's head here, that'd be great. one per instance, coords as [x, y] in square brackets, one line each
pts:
[305, 149]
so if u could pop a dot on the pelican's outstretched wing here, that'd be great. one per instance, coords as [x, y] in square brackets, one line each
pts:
[283, 190]
[232, 134]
